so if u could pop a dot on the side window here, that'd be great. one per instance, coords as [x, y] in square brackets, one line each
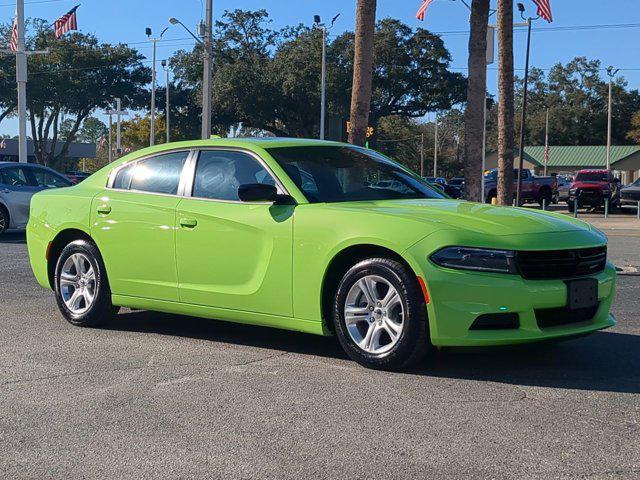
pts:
[159, 174]
[47, 179]
[219, 174]
[14, 177]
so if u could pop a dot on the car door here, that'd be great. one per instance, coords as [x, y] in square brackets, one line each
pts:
[133, 222]
[231, 254]
[17, 187]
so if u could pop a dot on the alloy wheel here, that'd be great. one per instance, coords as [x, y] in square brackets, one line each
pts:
[374, 314]
[78, 283]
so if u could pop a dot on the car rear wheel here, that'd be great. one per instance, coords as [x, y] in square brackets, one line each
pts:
[380, 315]
[81, 285]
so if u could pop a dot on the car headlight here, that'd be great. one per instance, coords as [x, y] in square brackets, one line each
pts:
[572, 191]
[477, 259]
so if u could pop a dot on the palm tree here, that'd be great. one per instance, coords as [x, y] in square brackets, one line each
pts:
[506, 129]
[476, 93]
[362, 71]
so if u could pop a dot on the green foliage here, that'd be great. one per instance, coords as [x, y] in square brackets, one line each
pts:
[270, 80]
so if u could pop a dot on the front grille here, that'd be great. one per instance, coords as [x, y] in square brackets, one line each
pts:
[558, 264]
[557, 317]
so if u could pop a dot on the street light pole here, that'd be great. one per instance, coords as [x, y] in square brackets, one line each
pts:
[435, 149]
[206, 74]
[152, 128]
[323, 75]
[524, 104]
[612, 73]
[167, 108]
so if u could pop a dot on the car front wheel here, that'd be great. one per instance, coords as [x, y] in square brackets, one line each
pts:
[81, 285]
[380, 315]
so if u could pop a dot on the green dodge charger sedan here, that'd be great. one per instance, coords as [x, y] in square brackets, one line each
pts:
[319, 237]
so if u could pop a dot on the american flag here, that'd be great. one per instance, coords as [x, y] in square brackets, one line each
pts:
[423, 9]
[544, 9]
[547, 154]
[13, 45]
[66, 23]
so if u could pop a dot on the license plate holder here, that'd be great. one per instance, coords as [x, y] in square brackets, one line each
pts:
[582, 293]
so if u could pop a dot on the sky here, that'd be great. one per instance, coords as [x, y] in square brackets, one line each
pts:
[608, 31]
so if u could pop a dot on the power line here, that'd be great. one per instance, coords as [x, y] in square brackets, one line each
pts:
[30, 3]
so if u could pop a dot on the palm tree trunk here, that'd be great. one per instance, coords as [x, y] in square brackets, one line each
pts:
[362, 71]
[476, 93]
[506, 129]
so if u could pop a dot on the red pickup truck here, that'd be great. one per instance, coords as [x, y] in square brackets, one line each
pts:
[534, 189]
[591, 188]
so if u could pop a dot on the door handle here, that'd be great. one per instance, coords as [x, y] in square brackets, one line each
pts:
[188, 222]
[104, 209]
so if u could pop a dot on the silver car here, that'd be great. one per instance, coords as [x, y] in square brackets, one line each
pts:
[18, 183]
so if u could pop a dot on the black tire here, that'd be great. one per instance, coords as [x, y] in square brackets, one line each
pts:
[4, 219]
[545, 195]
[413, 342]
[101, 310]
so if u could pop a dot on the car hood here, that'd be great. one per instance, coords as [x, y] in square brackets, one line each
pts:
[475, 217]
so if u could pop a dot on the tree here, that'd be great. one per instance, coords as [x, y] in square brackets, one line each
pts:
[362, 71]
[476, 93]
[8, 89]
[634, 133]
[506, 129]
[78, 76]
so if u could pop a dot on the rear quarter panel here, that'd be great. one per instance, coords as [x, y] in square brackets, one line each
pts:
[53, 211]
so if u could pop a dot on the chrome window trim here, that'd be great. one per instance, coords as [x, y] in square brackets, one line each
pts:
[194, 163]
[115, 171]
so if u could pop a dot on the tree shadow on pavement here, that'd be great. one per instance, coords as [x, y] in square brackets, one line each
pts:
[604, 361]
[13, 237]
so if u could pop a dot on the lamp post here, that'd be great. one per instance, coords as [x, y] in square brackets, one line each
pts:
[205, 41]
[323, 76]
[611, 73]
[529, 20]
[167, 110]
[152, 128]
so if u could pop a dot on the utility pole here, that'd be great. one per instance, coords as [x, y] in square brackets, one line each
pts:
[206, 74]
[110, 147]
[435, 149]
[167, 110]
[524, 104]
[422, 154]
[118, 112]
[612, 73]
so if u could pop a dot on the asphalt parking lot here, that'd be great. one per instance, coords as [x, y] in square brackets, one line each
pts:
[161, 396]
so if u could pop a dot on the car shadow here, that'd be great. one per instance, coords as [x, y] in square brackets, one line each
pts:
[13, 237]
[604, 361]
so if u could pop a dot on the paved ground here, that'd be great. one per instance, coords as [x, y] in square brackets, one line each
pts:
[159, 396]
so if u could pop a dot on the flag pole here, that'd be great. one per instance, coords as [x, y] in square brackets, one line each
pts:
[21, 80]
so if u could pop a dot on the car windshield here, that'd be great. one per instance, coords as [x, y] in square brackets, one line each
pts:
[636, 183]
[328, 174]
[592, 177]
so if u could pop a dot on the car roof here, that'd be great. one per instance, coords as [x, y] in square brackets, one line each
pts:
[589, 170]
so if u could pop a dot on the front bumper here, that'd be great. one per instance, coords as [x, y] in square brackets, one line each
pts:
[458, 298]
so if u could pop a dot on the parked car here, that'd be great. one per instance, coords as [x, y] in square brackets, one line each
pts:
[534, 188]
[18, 183]
[592, 187]
[564, 185]
[229, 229]
[76, 176]
[442, 184]
[630, 195]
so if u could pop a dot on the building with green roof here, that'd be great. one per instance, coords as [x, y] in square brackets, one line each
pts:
[568, 159]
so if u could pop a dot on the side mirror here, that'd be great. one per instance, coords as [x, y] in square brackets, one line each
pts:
[257, 192]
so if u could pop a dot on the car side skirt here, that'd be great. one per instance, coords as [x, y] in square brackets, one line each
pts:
[214, 313]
